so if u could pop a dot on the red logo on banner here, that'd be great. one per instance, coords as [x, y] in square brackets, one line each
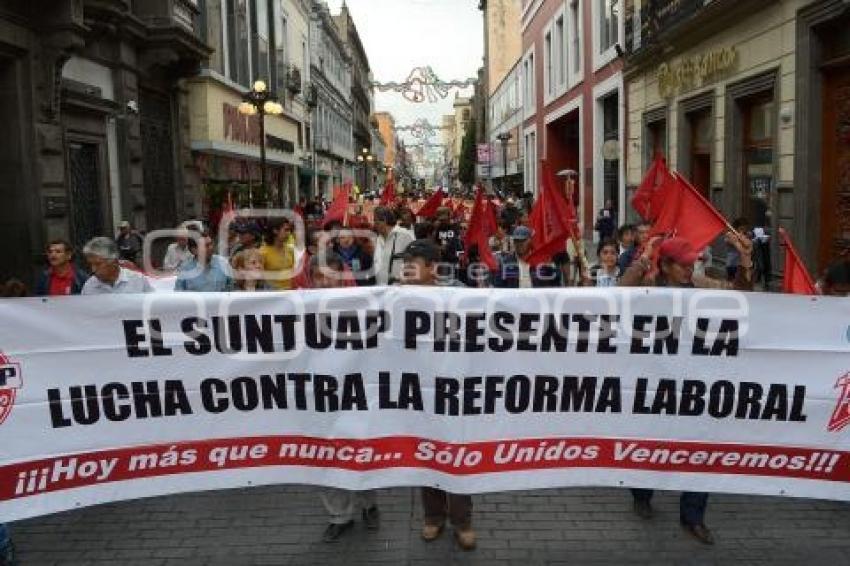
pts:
[10, 382]
[841, 415]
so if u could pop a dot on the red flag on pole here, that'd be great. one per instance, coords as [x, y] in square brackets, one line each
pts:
[687, 214]
[553, 220]
[479, 231]
[388, 196]
[797, 280]
[429, 209]
[648, 200]
[338, 210]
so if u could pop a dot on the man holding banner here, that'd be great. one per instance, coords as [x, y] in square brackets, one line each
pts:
[675, 268]
[327, 271]
[420, 268]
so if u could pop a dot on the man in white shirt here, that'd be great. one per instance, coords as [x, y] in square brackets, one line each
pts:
[389, 249]
[178, 253]
[108, 277]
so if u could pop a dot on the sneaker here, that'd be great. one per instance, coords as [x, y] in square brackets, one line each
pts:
[701, 533]
[431, 532]
[465, 538]
[336, 530]
[372, 518]
[643, 509]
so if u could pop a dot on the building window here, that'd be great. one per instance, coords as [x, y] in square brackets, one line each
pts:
[575, 35]
[261, 48]
[655, 141]
[611, 133]
[608, 24]
[531, 163]
[238, 42]
[529, 86]
[701, 125]
[213, 32]
[561, 55]
[547, 61]
[758, 157]
[281, 50]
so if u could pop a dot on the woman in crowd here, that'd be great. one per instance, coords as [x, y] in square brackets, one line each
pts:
[357, 260]
[248, 271]
[279, 255]
[606, 273]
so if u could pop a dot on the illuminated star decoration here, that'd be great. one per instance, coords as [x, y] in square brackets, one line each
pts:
[423, 84]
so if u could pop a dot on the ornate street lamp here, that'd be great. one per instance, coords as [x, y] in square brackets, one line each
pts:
[504, 137]
[311, 99]
[365, 158]
[260, 101]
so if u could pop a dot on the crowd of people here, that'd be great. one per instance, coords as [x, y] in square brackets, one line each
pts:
[263, 254]
[390, 246]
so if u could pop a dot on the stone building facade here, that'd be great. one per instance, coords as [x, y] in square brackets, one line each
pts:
[95, 121]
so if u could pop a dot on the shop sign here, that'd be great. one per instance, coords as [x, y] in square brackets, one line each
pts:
[240, 128]
[484, 151]
[246, 129]
[693, 72]
[279, 144]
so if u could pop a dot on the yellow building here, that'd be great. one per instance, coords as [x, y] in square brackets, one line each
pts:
[386, 127]
[502, 39]
[736, 96]
[226, 144]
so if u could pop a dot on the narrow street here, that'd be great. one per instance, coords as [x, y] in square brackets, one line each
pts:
[283, 525]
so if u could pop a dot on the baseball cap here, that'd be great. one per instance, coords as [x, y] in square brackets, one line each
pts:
[679, 250]
[247, 227]
[124, 224]
[424, 249]
[521, 233]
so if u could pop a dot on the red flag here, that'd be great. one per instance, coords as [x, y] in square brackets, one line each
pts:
[338, 210]
[429, 209]
[797, 280]
[553, 220]
[388, 194]
[687, 214]
[479, 231]
[648, 200]
[492, 217]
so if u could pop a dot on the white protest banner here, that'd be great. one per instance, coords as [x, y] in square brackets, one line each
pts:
[118, 397]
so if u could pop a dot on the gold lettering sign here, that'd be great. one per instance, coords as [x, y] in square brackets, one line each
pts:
[693, 72]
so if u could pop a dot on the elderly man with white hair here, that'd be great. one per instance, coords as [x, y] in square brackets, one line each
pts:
[108, 277]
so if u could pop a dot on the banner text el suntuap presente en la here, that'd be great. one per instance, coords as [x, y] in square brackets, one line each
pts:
[111, 398]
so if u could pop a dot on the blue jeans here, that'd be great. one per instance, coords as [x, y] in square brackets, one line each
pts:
[692, 505]
[5, 541]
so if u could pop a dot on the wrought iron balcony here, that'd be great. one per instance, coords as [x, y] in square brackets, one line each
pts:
[166, 13]
[173, 33]
[657, 18]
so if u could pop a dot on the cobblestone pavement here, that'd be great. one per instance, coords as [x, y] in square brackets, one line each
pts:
[283, 525]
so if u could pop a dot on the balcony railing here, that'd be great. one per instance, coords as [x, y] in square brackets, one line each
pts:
[656, 18]
[167, 13]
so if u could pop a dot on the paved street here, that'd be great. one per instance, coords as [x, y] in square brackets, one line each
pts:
[283, 525]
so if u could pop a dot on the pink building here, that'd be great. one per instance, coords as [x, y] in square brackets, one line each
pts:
[573, 99]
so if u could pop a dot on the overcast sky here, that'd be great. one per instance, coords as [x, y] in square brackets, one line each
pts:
[399, 35]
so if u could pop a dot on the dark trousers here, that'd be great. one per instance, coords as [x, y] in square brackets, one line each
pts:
[692, 505]
[440, 505]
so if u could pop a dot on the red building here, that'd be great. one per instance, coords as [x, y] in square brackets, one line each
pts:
[573, 99]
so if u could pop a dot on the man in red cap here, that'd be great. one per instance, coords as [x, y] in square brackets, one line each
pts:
[676, 258]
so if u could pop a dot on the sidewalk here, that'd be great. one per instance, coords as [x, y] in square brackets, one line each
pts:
[283, 525]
